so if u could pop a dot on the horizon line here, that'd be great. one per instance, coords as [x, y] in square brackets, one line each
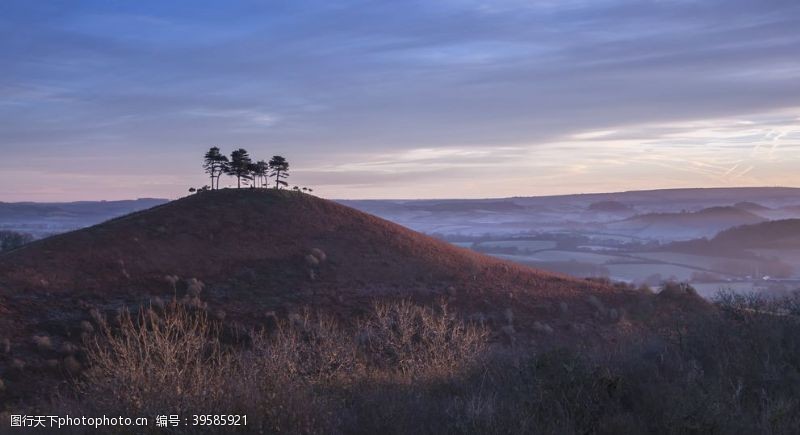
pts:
[428, 199]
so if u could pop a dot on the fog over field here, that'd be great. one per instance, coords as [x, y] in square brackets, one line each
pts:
[44, 219]
[627, 236]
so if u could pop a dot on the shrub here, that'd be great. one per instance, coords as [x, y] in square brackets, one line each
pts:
[151, 363]
[415, 369]
[419, 341]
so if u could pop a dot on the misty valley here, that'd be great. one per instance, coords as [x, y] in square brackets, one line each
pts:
[699, 236]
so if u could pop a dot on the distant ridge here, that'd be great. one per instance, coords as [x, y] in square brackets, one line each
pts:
[779, 234]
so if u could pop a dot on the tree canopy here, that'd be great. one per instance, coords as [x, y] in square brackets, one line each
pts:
[240, 166]
[215, 164]
[247, 172]
[279, 169]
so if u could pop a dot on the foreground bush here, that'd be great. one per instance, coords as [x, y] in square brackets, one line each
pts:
[153, 362]
[410, 369]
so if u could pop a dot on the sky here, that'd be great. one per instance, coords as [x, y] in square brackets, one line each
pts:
[114, 99]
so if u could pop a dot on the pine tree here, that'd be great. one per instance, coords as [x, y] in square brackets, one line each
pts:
[279, 168]
[215, 165]
[239, 166]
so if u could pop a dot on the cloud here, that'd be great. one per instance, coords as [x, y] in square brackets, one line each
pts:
[439, 87]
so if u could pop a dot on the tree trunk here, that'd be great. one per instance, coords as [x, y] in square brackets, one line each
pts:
[238, 181]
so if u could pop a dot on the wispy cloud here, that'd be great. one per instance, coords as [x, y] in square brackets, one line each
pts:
[548, 96]
[245, 116]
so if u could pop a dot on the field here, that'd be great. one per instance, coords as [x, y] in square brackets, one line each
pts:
[521, 245]
[624, 260]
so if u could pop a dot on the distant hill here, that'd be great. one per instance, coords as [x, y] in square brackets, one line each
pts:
[460, 206]
[793, 209]
[42, 219]
[588, 212]
[686, 225]
[780, 234]
[752, 207]
[774, 234]
[609, 207]
[28, 210]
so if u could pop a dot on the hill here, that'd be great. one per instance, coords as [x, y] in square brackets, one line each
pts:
[780, 234]
[586, 213]
[43, 219]
[252, 255]
[609, 207]
[254, 239]
[686, 225]
[752, 207]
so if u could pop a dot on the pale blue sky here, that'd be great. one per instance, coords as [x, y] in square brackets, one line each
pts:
[399, 99]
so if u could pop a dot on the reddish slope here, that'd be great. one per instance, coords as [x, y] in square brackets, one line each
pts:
[249, 248]
[259, 238]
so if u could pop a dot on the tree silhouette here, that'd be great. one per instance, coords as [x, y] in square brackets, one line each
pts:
[279, 170]
[251, 175]
[239, 166]
[215, 164]
[260, 171]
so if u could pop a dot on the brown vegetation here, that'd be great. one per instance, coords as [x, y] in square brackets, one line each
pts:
[413, 369]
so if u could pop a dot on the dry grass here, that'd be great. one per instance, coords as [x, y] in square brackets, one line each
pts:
[408, 369]
[151, 362]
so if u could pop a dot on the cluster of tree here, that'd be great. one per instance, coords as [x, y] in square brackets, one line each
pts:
[12, 240]
[246, 171]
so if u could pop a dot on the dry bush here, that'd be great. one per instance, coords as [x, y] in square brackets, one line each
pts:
[419, 341]
[412, 369]
[152, 363]
[289, 376]
[301, 376]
